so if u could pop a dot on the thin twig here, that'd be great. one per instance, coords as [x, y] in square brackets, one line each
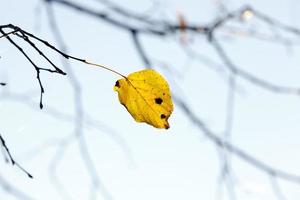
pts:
[11, 159]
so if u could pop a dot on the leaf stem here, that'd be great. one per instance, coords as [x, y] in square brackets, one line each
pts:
[104, 67]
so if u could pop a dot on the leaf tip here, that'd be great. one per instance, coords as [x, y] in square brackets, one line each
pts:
[167, 126]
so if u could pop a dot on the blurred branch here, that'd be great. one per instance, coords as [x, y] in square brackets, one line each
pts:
[163, 28]
[129, 14]
[89, 122]
[223, 144]
[275, 23]
[209, 31]
[277, 189]
[96, 181]
[12, 190]
[226, 171]
[234, 149]
[140, 49]
[249, 77]
[103, 16]
[235, 71]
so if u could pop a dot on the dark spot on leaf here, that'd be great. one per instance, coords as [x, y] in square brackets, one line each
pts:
[117, 84]
[164, 94]
[163, 116]
[158, 100]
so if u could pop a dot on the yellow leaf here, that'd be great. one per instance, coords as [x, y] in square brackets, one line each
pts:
[146, 96]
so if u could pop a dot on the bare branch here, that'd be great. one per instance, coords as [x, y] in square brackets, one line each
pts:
[11, 159]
